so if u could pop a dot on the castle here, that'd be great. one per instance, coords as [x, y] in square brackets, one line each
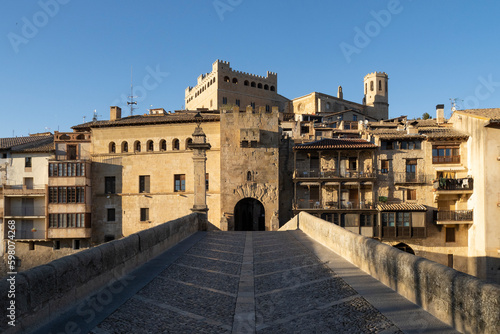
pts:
[263, 159]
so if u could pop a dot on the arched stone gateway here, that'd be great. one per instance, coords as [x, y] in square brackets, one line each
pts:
[249, 215]
[404, 247]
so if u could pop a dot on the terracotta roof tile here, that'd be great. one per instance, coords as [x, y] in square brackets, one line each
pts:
[401, 207]
[7, 143]
[180, 117]
[335, 144]
[442, 133]
[491, 113]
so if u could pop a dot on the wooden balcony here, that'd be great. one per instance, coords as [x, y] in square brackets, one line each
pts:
[447, 159]
[20, 191]
[333, 174]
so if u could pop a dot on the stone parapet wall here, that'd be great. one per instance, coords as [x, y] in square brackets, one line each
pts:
[43, 292]
[468, 304]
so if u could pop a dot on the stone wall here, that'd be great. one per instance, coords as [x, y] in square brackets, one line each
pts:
[464, 302]
[43, 292]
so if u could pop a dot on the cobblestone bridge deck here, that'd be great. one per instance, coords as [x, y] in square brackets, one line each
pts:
[247, 282]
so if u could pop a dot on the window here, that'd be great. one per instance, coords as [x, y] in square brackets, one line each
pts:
[446, 154]
[150, 146]
[71, 152]
[144, 214]
[76, 244]
[226, 79]
[189, 141]
[109, 185]
[404, 145]
[371, 86]
[27, 162]
[66, 194]
[384, 166]
[163, 145]
[137, 146]
[206, 182]
[355, 117]
[4, 155]
[411, 170]
[252, 84]
[144, 183]
[268, 109]
[235, 81]
[273, 88]
[252, 104]
[112, 147]
[31, 245]
[383, 145]
[411, 194]
[388, 219]
[450, 234]
[352, 163]
[224, 100]
[403, 219]
[237, 102]
[56, 244]
[249, 176]
[246, 83]
[380, 85]
[266, 87]
[175, 144]
[450, 260]
[259, 85]
[124, 146]
[111, 215]
[179, 182]
[365, 220]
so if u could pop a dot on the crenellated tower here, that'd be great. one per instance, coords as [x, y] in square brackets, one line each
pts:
[376, 94]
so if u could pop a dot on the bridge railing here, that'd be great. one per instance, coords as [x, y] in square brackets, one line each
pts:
[43, 292]
[460, 300]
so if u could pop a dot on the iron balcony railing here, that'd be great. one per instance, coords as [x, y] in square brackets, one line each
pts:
[332, 173]
[454, 215]
[466, 183]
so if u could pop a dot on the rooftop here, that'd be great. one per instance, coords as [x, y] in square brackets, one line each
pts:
[33, 143]
[493, 114]
[335, 144]
[177, 117]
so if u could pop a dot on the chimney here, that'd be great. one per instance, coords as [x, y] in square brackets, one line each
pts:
[115, 113]
[340, 94]
[440, 113]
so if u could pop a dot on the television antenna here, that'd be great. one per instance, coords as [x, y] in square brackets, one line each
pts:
[94, 118]
[454, 104]
[132, 103]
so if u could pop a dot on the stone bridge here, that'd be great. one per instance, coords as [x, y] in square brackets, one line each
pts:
[310, 277]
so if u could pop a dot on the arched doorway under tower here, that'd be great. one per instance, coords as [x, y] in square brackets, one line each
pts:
[249, 215]
[404, 247]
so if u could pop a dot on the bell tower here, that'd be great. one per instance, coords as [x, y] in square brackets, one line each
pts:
[376, 94]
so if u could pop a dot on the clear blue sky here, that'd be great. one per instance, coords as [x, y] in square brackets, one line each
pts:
[59, 64]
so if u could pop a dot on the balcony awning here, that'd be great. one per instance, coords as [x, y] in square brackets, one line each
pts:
[308, 184]
[448, 168]
[351, 183]
[401, 207]
[332, 183]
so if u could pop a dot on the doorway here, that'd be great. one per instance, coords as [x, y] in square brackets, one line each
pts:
[249, 215]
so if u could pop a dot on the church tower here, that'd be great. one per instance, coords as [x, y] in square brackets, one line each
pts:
[376, 94]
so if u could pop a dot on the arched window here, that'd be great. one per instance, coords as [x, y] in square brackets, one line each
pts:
[273, 88]
[371, 86]
[386, 86]
[366, 88]
[175, 144]
[249, 176]
[163, 145]
[124, 146]
[226, 79]
[235, 81]
[137, 146]
[246, 83]
[81, 136]
[380, 85]
[259, 85]
[213, 80]
[150, 146]
[266, 87]
[112, 147]
[252, 84]
[188, 142]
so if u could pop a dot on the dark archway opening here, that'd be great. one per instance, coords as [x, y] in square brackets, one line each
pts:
[249, 215]
[405, 248]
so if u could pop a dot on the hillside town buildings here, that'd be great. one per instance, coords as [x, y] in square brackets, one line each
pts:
[428, 187]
